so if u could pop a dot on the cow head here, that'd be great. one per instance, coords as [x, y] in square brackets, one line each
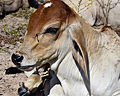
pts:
[53, 31]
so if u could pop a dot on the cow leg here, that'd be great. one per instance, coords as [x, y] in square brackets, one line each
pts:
[32, 83]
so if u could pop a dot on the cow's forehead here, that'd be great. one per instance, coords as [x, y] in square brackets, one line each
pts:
[51, 11]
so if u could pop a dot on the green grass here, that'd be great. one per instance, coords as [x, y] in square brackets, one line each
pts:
[15, 32]
[26, 13]
[5, 50]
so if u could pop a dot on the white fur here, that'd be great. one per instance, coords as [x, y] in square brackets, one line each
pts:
[28, 61]
[104, 76]
[56, 91]
[66, 72]
[104, 68]
[28, 73]
[47, 5]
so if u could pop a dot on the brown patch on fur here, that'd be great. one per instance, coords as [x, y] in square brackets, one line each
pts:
[104, 28]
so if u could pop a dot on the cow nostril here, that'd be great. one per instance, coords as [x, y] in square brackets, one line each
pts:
[16, 59]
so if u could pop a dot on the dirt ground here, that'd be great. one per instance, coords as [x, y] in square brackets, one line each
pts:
[9, 84]
[12, 30]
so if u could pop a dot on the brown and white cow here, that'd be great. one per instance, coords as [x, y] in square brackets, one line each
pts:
[60, 37]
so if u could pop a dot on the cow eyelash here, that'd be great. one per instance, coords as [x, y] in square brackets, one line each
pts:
[37, 37]
[51, 30]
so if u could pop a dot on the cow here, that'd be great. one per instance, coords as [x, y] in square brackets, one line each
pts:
[85, 60]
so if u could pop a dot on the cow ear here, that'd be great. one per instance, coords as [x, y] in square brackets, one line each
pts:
[79, 51]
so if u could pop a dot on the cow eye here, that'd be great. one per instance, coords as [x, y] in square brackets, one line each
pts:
[52, 30]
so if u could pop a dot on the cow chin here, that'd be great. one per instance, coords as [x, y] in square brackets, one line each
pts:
[30, 64]
[27, 64]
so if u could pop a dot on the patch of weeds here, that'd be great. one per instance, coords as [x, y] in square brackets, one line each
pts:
[5, 50]
[4, 28]
[21, 40]
[22, 28]
[26, 13]
[14, 33]
[13, 42]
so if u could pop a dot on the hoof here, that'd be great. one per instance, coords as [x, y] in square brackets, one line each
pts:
[22, 91]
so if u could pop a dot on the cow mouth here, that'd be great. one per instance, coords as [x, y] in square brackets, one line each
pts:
[26, 68]
[29, 68]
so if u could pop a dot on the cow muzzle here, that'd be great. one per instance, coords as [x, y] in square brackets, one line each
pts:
[17, 59]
